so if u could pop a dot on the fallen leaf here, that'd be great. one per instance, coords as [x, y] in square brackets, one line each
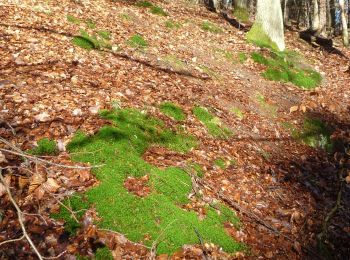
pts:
[51, 185]
[293, 109]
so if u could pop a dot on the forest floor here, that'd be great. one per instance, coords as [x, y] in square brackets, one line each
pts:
[281, 189]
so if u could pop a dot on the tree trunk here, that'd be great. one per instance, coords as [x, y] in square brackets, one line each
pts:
[268, 27]
[344, 23]
[286, 13]
[323, 18]
[316, 16]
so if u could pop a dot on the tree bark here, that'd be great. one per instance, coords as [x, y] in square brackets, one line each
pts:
[269, 15]
[344, 23]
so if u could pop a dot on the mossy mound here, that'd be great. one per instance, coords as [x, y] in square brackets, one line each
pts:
[158, 216]
[241, 14]
[285, 67]
[210, 27]
[45, 147]
[173, 111]
[257, 36]
[214, 125]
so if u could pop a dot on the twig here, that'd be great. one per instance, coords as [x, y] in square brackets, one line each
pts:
[20, 217]
[119, 234]
[202, 243]
[12, 240]
[37, 159]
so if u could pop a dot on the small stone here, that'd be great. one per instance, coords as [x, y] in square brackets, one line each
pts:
[42, 117]
[77, 112]
[94, 110]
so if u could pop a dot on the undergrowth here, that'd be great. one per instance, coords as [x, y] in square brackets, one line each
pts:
[314, 133]
[137, 41]
[241, 14]
[284, 66]
[153, 8]
[158, 216]
[92, 41]
[237, 112]
[45, 147]
[172, 24]
[210, 27]
[173, 111]
[214, 125]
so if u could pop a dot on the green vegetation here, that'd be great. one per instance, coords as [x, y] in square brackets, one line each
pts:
[45, 147]
[174, 62]
[153, 8]
[238, 112]
[78, 204]
[257, 36]
[242, 57]
[213, 124]
[105, 35]
[314, 133]
[172, 25]
[90, 24]
[283, 66]
[269, 109]
[241, 14]
[210, 27]
[89, 42]
[137, 41]
[158, 11]
[72, 19]
[144, 4]
[103, 253]
[125, 16]
[197, 169]
[221, 163]
[159, 216]
[171, 110]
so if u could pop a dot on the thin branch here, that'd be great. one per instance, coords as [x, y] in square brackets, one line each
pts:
[20, 217]
[12, 240]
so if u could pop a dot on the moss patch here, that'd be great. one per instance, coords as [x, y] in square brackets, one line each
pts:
[314, 133]
[221, 163]
[45, 147]
[241, 14]
[285, 67]
[137, 41]
[257, 36]
[103, 253]
[91, 41]
[172, 24]
[197, 169]
[153, 8]
[210, 27]
[237, 112]
[173, 111]
[158, 215]
[213, 124]
[73, 19]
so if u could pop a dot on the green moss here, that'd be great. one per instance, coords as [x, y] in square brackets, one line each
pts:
[77, 204]
[285, 67]
[45, 147]
[90, 24]
[125, 17]
[314, 133]
[159, 215]
[103, 253]
[158, 11]
[172, 25]
[238, 112]
[221, 163]
[257, 36]
[197, 169]
[210, 27]
[72, 19]
[172, 111]
[174, 62]
[269, 109]
[104, 34]
[145, 4]
[241, 14]
[137, 41]
[242, 57]
[213, 124]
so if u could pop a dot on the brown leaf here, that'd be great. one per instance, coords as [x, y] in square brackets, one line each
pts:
[293, 109]
[51, 185]
[35, 181]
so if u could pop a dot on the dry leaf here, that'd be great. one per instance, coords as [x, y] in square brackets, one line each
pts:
[35, 181]
[293, 109]
[2, 189]
[2, 158]
[51, 185]
[347, 179]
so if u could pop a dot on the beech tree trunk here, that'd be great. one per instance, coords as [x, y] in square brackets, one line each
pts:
[316, 16]
[344, 23]
[269, 16]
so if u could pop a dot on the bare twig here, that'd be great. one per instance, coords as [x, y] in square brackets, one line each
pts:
[12, 240]
[20, 217]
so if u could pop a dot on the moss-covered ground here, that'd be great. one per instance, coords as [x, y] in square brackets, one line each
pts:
[45, 147]
[214, 125]
[173, 111]
[284, 66]
[158, 216]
